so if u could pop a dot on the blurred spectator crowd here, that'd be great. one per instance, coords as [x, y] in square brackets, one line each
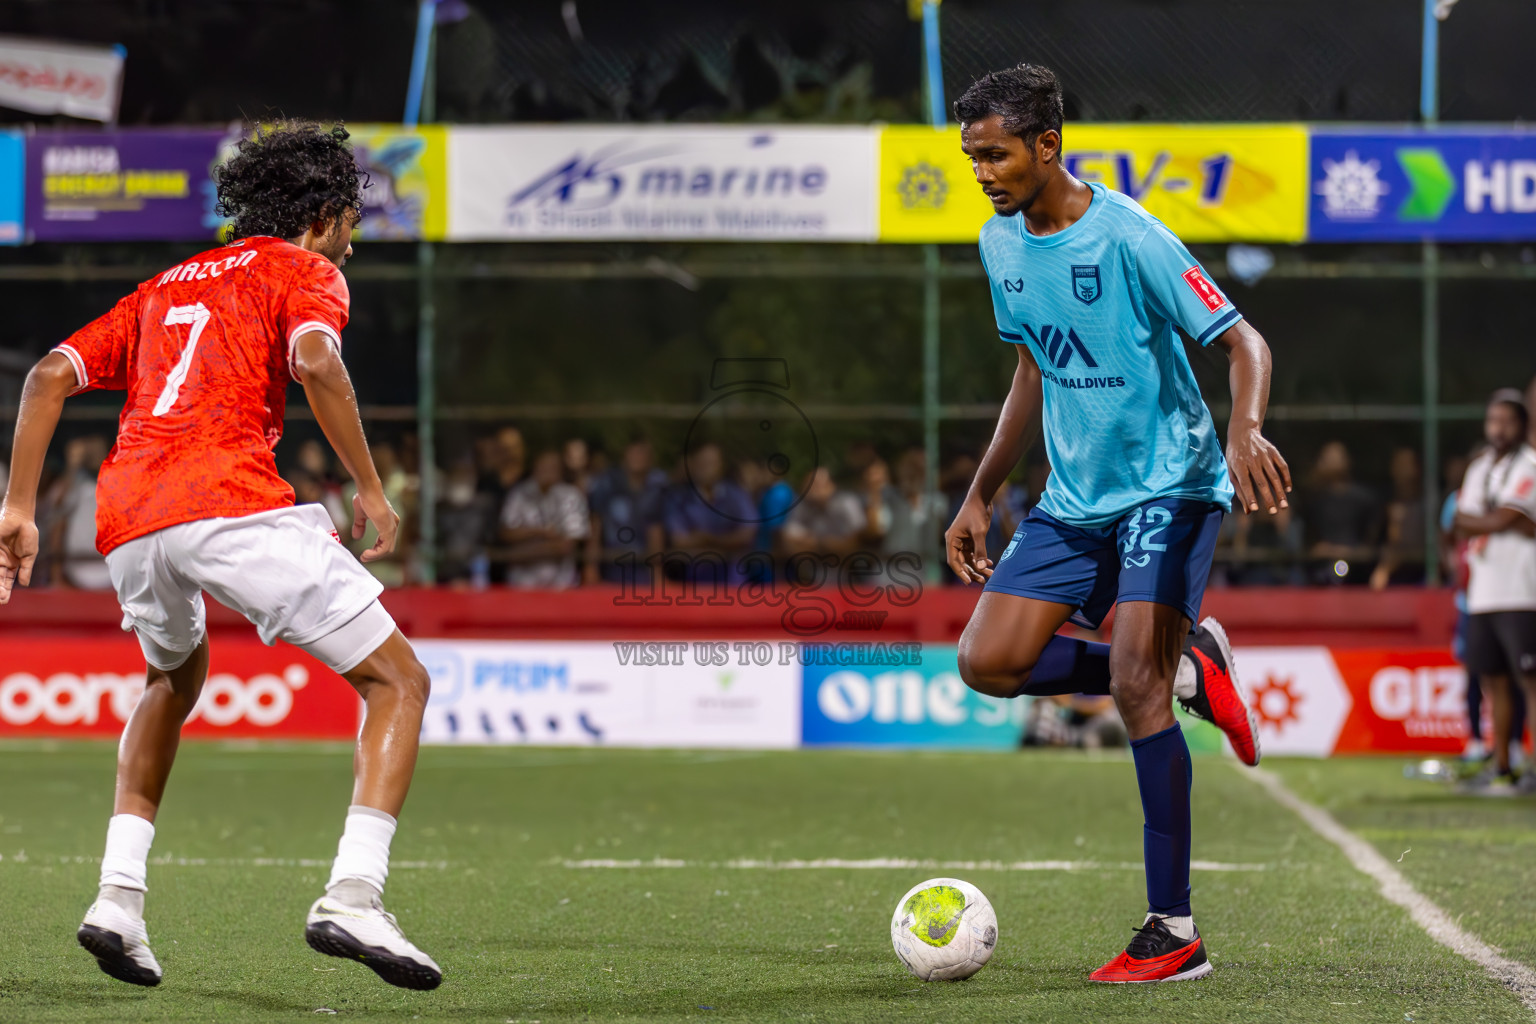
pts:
[577, 515]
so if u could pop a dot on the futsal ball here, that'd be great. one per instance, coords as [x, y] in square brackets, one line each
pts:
[944, 930]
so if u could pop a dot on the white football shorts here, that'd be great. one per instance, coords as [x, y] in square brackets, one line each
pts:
[284, 570]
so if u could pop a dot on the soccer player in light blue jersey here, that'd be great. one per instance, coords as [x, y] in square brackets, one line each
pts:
[1093, 292]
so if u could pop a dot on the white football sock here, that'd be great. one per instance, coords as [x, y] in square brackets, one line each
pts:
[1185, 677]
[363, 853]
[125, 863]
[1183, 927]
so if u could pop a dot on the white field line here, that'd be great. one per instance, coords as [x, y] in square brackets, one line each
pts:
[1397, 889]
[885, 863]
[23, 857]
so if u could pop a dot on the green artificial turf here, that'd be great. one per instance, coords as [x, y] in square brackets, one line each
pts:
[482, 882]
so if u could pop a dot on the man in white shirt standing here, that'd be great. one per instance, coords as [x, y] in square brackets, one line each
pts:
[541, 522]
[1497, 510]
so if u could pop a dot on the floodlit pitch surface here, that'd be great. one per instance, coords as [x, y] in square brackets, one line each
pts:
[515, 873]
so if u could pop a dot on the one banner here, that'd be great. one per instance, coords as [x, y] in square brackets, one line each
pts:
[150, 185]
[922, 705]
[608, 694]
[661, 182]
[46, 77]
[1472, 185]
[13, 199]
[89, 687]
[1208, 183]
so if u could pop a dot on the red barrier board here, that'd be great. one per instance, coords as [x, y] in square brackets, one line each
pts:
[88, 687]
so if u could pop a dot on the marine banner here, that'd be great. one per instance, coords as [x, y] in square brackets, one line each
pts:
[1453, 184]
[1208, 183]
[585, 182]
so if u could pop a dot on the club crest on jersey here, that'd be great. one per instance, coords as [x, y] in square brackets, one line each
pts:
[1085, 283]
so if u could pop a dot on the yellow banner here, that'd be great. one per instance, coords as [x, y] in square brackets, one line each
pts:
[407, 196]
[1208, 183]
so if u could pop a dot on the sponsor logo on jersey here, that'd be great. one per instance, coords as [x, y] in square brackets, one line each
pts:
[1014, 285]
[1202, 288]
[1058, 346]
[1085, 283]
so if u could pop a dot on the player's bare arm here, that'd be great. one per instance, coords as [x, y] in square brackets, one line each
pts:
[328, 387]
[42, 400]
[1259, 473]
[965, 542]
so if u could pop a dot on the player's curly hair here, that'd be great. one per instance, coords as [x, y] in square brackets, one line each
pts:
[1027, 98]
[287, 175]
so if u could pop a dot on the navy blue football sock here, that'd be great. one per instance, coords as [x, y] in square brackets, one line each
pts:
[1164, 775]
[1069, 666]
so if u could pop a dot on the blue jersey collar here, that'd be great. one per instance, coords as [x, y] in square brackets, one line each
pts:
[1071, 230]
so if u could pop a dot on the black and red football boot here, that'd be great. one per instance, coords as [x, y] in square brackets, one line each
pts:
[1218, 699]
[1156, 954]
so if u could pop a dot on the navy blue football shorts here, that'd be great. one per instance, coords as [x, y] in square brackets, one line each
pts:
[1160, 552]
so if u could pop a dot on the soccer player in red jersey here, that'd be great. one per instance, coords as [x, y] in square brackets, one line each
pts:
[190, 500]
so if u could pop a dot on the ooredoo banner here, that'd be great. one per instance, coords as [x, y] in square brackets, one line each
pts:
[674, 181]
[48, 77]
[88, 688]
[608, 694]
[1208, 183]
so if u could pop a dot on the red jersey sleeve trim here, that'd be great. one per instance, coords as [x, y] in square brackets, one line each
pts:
[305, 328]
[72, 354]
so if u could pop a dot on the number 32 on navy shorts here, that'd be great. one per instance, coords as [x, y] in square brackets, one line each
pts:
[1159, 552]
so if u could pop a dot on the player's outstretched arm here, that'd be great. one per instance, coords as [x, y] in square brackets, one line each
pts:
[1259, 474]
[42, 400]
[965, 542]
[329, 390]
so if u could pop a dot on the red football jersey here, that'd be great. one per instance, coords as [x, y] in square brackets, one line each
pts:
[205, 352]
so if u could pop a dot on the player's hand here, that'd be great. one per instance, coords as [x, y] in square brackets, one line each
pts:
[1259, 475]
[18, 550]
[377, 510]
[965, 543]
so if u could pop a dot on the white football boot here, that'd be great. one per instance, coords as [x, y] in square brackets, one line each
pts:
[119, 941]
[371, 936]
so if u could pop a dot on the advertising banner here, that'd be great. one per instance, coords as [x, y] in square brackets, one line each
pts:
[926, 705]
[85, 688]
[604, 694]
[13, 198]
[407, 168]
[46, 77]
[1208, 183]
[150, 185]
[1315, 702]
[580, 182]
[1455, 184]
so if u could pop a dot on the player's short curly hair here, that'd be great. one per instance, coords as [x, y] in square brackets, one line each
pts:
[1027, 98]
[287, 175]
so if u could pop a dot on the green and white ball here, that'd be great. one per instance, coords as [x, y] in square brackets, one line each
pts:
[944, 930]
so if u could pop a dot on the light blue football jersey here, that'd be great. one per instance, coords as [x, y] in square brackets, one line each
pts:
[1097, 305]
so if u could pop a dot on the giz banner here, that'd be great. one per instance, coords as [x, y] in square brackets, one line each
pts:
[1208, 183]
[627, 694]
[1313, 701]
[150, 185]
[676, 181]
[88, 688]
